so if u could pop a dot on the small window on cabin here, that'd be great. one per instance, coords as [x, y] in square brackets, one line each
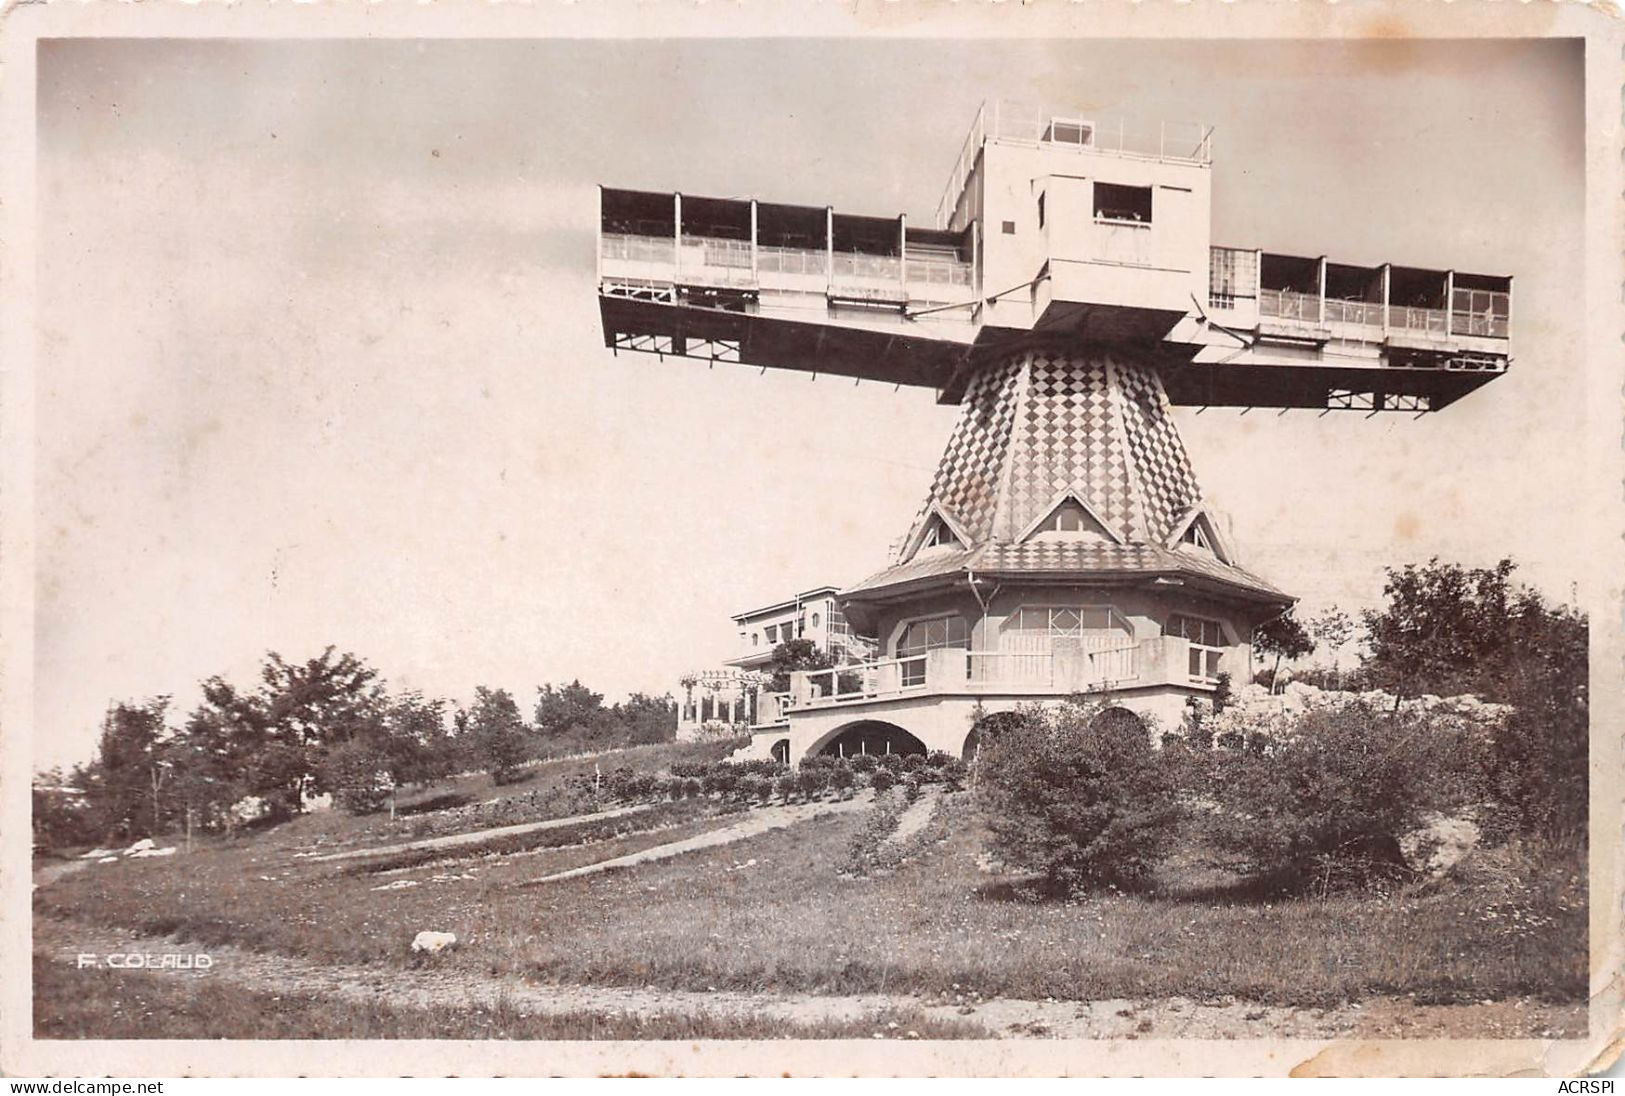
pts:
[773, 634]
[1041, 211]
[1009, 228]
[755, 639]
[1197, 537]
[815, 620]
[1122, 203]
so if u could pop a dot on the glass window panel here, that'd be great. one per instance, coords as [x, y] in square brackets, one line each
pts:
[958, 630]
[1064, 621]
[1195, 663]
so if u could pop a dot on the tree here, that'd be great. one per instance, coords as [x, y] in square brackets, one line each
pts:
[1078, 794]
[567, 708]
[795, 655]
[1445, 628]
[1284, 637]
[1332, 629]
[497, 732]
[125, 785]
[644, 719]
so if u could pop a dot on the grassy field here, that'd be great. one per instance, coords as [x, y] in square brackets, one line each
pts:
[791, 920]
[107, 1004]
[539, 795]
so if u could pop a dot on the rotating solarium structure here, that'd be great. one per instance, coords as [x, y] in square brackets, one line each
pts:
[1068, 295]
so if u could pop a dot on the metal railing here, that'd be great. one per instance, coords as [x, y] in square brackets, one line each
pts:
[641, 249]
[1289, 304]
[880, 268]
[792, 260]
[1368, 313]
[942, 272]
[1434, 321]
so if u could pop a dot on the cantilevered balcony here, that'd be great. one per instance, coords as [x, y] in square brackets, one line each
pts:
[1164, 660]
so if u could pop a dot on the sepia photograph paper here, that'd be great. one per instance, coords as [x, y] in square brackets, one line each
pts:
[796, 540]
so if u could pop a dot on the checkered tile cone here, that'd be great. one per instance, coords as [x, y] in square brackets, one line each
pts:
[967, 480]
[1167, 484]
[1041, 423]
[1069, 437]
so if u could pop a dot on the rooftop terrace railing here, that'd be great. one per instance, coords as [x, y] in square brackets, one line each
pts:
[1022, 123]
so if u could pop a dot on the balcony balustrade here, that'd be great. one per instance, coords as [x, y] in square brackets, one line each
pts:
[955, 671]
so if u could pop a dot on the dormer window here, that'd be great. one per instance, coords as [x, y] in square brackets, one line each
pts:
[1070, 519]
[1196, 532]
[939, 536]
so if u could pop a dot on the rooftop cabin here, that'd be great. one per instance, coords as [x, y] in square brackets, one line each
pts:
[1073, 227]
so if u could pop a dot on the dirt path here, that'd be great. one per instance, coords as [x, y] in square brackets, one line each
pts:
[913, 819]
[1167, 1018]
[477, 837]
[758, 821]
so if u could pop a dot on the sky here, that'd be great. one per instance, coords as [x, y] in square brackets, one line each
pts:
[319, 358]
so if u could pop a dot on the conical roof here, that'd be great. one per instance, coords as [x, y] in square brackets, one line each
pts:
[1045, 428]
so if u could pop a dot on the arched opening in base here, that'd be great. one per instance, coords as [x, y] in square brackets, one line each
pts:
[1119, 719]
[871, 736]
[781, 751]
[985, 731]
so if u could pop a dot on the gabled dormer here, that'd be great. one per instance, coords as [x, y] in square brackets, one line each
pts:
[1196, 531]
[937, 530]
[1069, 517]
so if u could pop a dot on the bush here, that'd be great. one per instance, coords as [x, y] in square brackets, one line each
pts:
[754, 787]
[1077, 797]
[811, 782]
[784, 786]
[883, 780]
[913, 763]
[891, 762]
[843, 780]
[720, 779]
[1325, 802]
[863, 763]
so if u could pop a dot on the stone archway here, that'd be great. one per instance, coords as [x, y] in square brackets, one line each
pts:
[781, 751]
[872, 736]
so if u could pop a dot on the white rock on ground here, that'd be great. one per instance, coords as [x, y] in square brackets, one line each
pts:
[169, 851]
[140, 846]
[432, 942]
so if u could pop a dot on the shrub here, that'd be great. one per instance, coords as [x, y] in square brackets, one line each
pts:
[952, 773]
[863, 763]
[720, 778]
[891, 762]
[912, 763]
[1077, 798]
[938, 759]
[811, 782]
[882, 780]
[1325, 802]
[689, 768]
[911, 787]
[755, 788]
[784, 786]
[843, 780]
